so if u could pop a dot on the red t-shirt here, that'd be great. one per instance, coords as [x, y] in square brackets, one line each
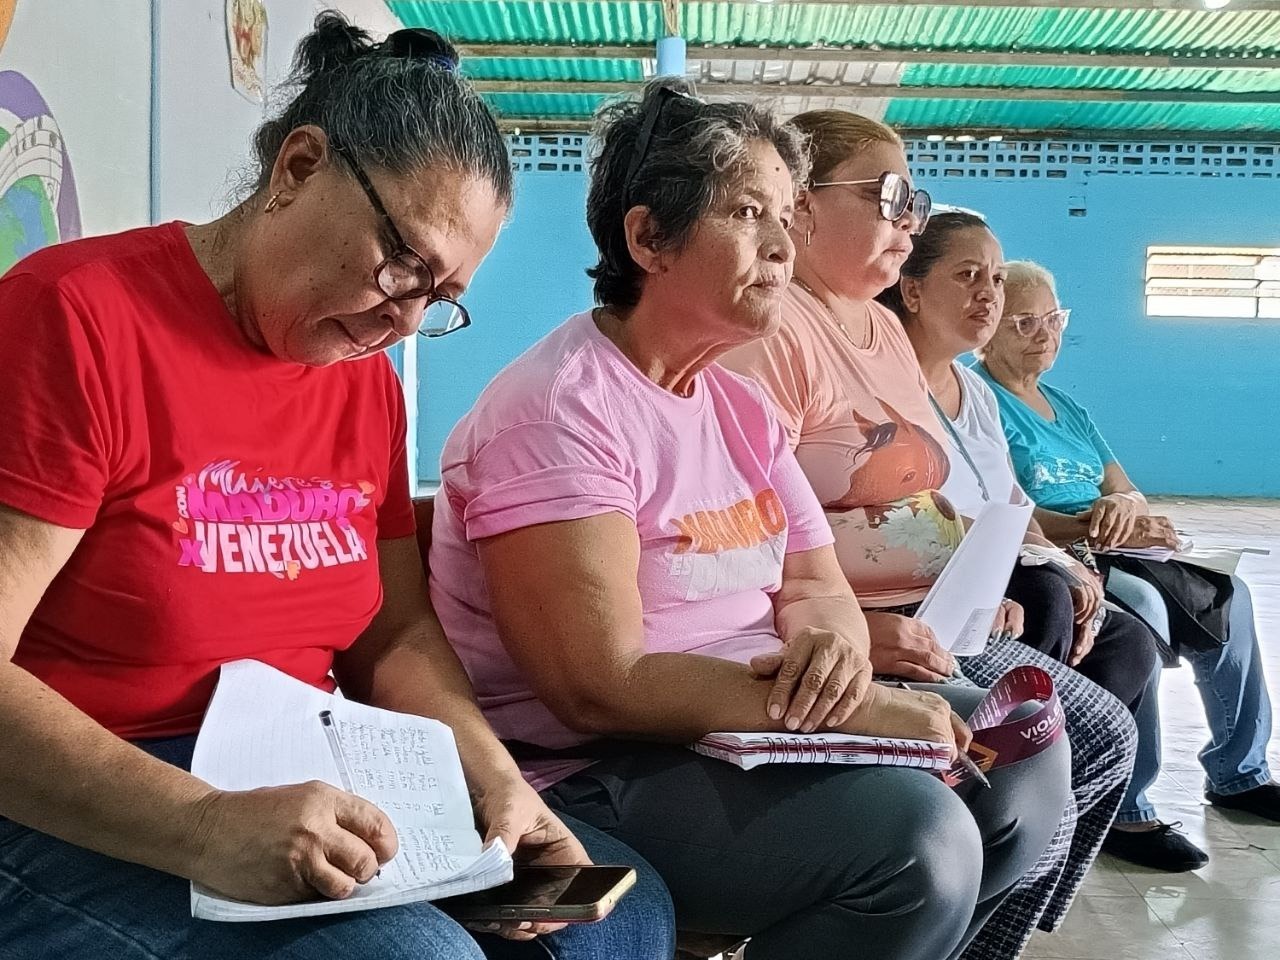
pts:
[232, 502]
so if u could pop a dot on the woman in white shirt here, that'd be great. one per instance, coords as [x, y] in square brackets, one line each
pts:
[950, 299]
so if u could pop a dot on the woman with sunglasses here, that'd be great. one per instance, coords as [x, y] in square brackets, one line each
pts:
[855, 407]
[204, 460]
[628, 557]
[1083, 493]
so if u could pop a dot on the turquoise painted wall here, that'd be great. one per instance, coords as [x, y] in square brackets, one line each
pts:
[533, 279]
[1190, 406]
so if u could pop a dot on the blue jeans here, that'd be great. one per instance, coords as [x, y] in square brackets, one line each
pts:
[59, 900]
[1232, 689]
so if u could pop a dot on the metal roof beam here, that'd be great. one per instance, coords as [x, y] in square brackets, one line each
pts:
[539, 125]
[886, 91]
[1011, 58]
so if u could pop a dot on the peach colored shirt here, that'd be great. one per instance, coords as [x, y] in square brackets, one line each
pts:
[867, 438]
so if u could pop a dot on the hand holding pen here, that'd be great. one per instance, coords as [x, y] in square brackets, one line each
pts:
[339, 756]
[962, 758]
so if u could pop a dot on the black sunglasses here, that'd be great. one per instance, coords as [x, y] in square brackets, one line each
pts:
[645, 137]
[404, 274]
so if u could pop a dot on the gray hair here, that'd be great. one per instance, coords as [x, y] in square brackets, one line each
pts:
[695, 152]
[1023, 275]
[399, 104]
[1020, 276]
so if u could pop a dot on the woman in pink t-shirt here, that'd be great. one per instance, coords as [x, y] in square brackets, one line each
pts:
[191, 473]
[625, 548]
[850, 393]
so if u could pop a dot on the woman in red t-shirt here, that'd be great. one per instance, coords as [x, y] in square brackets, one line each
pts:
[192, 472]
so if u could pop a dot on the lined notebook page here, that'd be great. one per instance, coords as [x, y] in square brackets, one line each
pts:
[263, 729]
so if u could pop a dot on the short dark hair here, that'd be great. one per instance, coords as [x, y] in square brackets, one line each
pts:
[694, 151]
[926, 250]
[399, 104]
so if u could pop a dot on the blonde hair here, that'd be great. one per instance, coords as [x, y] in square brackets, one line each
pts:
[1023, 275]
[837, 135]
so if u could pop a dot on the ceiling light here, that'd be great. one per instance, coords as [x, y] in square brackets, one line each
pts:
[1215, 4]
[996, 138]
[964, 138]
[934, 138]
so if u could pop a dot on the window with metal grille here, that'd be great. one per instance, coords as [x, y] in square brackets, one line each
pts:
[1227, 282]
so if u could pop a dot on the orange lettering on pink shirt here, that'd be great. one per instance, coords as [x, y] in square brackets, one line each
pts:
[771, 512]
[747, 523]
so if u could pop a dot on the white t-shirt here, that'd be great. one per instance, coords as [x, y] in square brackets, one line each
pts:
[979, 428]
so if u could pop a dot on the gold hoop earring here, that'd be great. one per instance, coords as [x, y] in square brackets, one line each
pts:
[272, 203]
[808, 237]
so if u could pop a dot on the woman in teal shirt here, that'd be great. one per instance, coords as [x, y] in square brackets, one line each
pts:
[1082, 491]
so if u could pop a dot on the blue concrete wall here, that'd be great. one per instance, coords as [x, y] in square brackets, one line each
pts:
[1190, 406]
[533, 280]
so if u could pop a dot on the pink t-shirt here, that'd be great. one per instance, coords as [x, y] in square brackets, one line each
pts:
[572, 429]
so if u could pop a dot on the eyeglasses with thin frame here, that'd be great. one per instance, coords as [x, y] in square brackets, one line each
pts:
[404, 274]
[896, 198]
[1029, 324]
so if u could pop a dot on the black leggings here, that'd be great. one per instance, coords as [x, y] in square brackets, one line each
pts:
[1123, 654]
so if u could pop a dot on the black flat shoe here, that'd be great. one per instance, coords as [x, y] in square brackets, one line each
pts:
[1163, 848]
[1263, 801]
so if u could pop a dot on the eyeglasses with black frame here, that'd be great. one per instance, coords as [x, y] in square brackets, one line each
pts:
[403, 274]
[896, 198]
[1029, 324]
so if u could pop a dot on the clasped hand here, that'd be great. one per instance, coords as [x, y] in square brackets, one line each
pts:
[823, 682]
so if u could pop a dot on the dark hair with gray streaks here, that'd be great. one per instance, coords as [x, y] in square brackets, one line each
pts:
[399, 104]
[696, 151]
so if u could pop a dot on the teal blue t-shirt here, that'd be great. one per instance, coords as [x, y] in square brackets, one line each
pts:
[1058, 462]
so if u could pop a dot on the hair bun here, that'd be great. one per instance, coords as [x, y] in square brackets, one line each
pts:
[333, 43]
[419, 43]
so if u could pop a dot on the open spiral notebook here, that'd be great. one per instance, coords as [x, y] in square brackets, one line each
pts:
[263, 729]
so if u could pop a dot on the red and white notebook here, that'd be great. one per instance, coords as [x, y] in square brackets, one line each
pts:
[998, 740]
[748, 750]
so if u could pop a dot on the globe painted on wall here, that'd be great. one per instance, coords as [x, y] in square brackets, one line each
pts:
[38, 203]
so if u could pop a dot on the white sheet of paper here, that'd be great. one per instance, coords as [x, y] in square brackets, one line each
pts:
[1224, 560]
[263, 729]
[963, 601]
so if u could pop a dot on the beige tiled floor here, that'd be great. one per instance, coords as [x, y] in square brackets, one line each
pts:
[1230, 910]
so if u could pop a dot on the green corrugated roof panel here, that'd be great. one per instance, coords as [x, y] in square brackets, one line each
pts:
[1042, 115]
[885, 25]
[1111, 78]
[574, 106]
[542, 68]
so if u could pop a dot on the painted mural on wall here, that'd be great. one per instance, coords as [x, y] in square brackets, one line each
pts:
[38, 203]
[247, 47]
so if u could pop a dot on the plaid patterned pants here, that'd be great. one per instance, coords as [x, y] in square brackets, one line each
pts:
[1103, 741]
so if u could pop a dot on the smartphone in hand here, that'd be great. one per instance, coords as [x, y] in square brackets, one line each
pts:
[572, 894]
